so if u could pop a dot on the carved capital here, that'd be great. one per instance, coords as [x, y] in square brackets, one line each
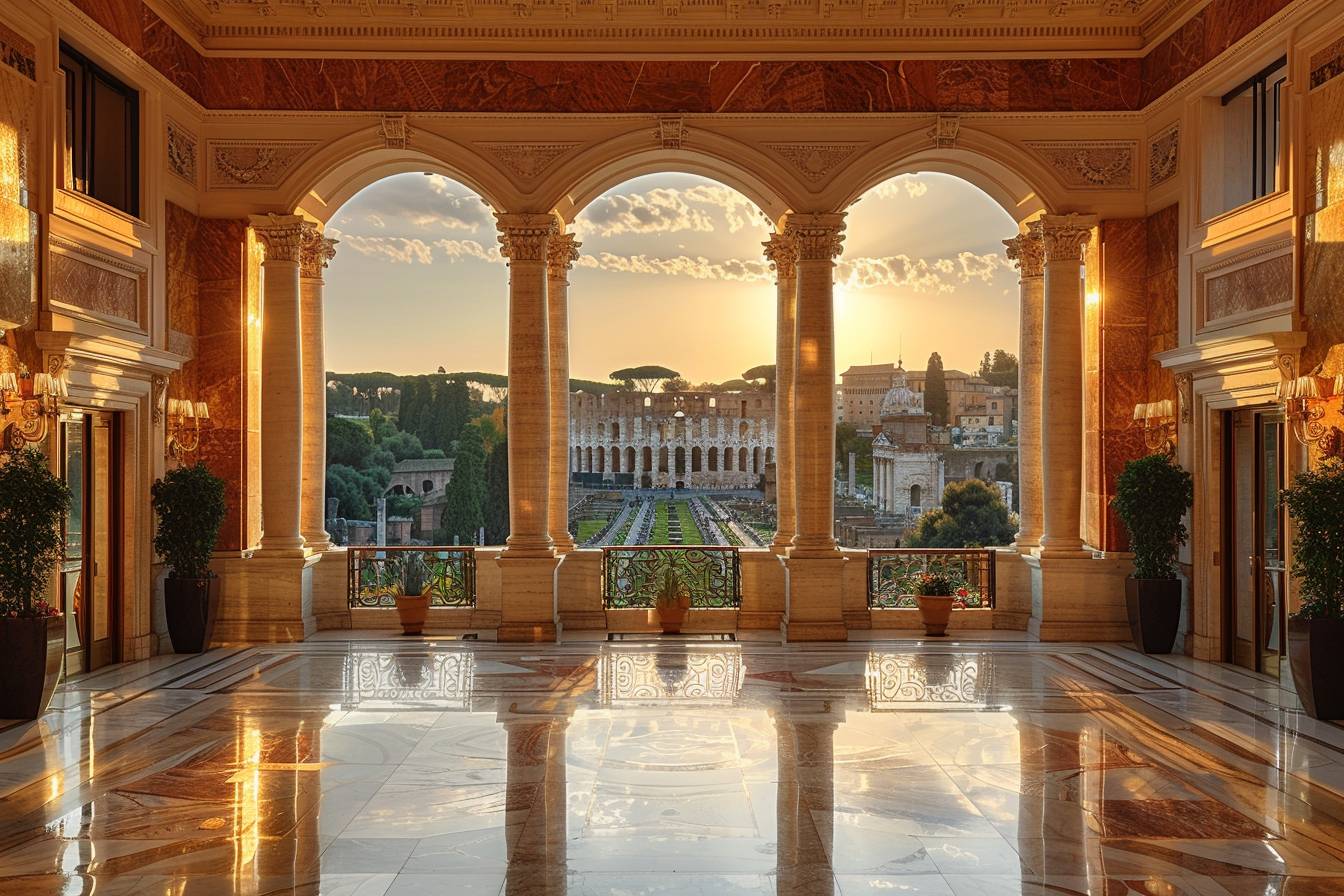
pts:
[818, 236]
[315, 252]
[1065, 236]
[782, 254]
[523, 237]
[1027, 252]
[281, 235]
[561, 252]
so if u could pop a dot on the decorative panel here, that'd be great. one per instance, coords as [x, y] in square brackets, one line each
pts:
[1247, 286]
[91, 283]
[255, 165]
[1091, 164]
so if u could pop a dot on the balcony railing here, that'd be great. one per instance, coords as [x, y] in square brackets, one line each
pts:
[633, 576]
[374, 575]
[893, 572]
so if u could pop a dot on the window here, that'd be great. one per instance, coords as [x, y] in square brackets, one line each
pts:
[1252, 118]
[102, 129]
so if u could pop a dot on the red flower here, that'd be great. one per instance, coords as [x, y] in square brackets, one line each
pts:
[962, 592]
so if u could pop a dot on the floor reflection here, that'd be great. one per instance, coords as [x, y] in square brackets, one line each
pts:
[388, 768]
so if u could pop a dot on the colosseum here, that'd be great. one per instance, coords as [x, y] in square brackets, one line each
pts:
[671, 439]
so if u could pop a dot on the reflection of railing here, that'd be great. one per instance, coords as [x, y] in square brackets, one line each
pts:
[924, 681]
[893, 572]
[397, 679]
[374, 575]
[633, 576]
[688, 677]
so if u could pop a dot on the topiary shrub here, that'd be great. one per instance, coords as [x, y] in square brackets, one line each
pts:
[1316, 504]
[1152, 495]
[32, 502]
[189, 503]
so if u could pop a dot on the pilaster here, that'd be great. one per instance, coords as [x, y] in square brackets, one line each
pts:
[1027, 251]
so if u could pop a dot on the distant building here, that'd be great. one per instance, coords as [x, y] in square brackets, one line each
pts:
[420, 477]
[862, 388]
[908, 472]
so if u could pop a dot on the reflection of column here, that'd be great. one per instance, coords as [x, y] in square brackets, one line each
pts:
[275, 800]
[315, 252]
[282, 376]
[1062, 379]
[561, 253]
[1053, 830]
[805, 797]
[783, 256]
[534, 804]
[1028, 251]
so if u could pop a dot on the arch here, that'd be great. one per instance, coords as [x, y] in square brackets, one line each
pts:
[615, 459]
[615, 429]
[630, 459]
[979, 469]
[695, 459]
[713, 459]
[427, 485]
[769, 455]
[742, 460]
[577, 466]
[915, 496]
[756, 460]
[728, 460]
[588, 460]
[648, 460]
[601, 459]
[679, 461]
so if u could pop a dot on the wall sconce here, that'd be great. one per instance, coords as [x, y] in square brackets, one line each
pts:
[1303, 399]
[1158, 420]
[184, 426]
[28, 404]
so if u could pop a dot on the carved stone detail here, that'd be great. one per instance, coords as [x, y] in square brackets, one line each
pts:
[782, 253]
[527, 160]
[818, 236]
[523, 237]
[944, 131]
[815, 160]
[1027, 251]
[159, 387]
[1090, 164]
[1164, 155]
[394, 131]
[1064, 237]
[314, 252]
[1184, 384]
[182, 153]
[253, 165]
[282, 236]
[671, 132]
[562, 250]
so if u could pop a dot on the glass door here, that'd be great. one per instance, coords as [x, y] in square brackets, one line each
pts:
[1267, 561]
[72, 565]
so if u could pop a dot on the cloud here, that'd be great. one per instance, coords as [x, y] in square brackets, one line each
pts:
[670, 210]
[396, 249]
[919, 274]
[414, 203]
[908, 184]
[698, 268]
[459, 250]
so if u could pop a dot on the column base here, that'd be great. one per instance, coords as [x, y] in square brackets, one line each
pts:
[267, 598]
[527, 597]
[1027, 542]
[281, 547]
[814, 611]
[317, 543]
[1078, 599]
[1062, 549]
[564, 544]
[529, 548]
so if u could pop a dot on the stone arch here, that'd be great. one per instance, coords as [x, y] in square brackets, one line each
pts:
[742, 459]
[630, 459]
[588, 460]
[713, 459]
[915, 495]
[615, 459]
[662, 459]
[695, 459]
[601, 460]
[647, 466]
[728, 460]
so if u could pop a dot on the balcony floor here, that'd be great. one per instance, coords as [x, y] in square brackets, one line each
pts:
[377, 766]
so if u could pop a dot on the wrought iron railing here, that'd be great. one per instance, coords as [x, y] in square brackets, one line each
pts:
[374, 574]
[893, 573]
[633, 576]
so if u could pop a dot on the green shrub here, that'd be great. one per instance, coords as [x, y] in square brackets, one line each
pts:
[1152, 495]
[189, 503]
[933, 584]
[414, 572]
[1316, 504]
[32, 502]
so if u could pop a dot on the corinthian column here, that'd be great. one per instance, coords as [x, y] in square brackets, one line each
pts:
[783, 256]
[283, 237]
[561, 253]
[1064, 237]
[1027, 251]
[315, 251]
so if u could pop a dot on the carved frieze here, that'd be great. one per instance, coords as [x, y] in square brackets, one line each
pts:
[1164, 155]
[815, 160]
[257, 165]
[527, 160]
[1090, 164]
[182, 152]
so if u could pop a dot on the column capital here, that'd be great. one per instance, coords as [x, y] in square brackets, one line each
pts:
[819, 236]
[1064, 236]
[782, 252]
[281, 235]
[523, 237]
[1027, 252]
[562, 250]
[315, 250]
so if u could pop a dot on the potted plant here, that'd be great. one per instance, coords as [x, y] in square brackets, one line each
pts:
[32, 631]
[1152, 495]
[1316, 630]
[934, 597]
[413, 602]
[673, 602]
[189, 504]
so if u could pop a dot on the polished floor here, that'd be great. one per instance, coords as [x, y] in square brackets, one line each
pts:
[388, 768]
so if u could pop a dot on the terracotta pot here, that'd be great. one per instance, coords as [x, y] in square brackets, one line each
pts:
[32, 653]
[1154, 608]
[935, 610]
[1318, 665]
[412, 610]
[671, 616]
[191, 606]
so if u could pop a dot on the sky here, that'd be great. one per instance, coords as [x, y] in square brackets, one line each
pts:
[670, 273]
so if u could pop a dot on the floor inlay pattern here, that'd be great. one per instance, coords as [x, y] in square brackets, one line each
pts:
[385, 768]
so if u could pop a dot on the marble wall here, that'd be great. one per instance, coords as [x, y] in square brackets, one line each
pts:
[18, 220]
[1207, 33]
[1323, 256]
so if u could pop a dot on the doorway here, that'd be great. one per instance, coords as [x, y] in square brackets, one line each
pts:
[1253, 534]
[90, 459]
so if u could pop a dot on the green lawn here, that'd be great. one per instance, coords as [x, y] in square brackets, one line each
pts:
[690, 533]
[659, 533]
[589, 528]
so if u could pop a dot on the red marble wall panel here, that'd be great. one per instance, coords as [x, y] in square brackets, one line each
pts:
[1207, 33]
[1162, 297]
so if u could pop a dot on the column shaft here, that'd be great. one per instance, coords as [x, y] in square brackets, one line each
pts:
[561, 253]
[316, 251]
[1028, 251]
[784, 255]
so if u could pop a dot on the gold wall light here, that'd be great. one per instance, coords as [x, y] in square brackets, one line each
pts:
[185, 418]
[1158, 420]
[28, 404]
[1304, 399]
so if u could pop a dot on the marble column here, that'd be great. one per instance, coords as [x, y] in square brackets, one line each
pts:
[283, 237]
[1064, 237]
[315, 252]
[561, 252]
[527, 563]
[1027, 251]
[781, 252]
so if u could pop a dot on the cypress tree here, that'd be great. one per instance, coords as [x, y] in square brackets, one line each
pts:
[935, 390]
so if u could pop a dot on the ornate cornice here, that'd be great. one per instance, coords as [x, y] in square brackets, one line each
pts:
[282, 236]
[1027, 252]
[523, 237]
[562, 250]
[782, 253]
[818, 236]
[1065, 236]
[315, 251]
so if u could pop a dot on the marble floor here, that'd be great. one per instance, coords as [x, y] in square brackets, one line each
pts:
[385, 767]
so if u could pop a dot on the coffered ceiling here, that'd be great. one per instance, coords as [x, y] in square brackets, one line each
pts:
[679, 28]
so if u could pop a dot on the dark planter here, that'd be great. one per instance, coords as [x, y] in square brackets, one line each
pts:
[1154, 607]
[192, 605]
[32, 652]
[1317, 662]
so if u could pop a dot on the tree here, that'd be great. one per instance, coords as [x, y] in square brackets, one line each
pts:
[354, 491]
[677, 384]
[734, 386]
[465, 494]
[973, 515]
[847, 439]
[349, 442]
[403, 446]
[412, 407]
[1000, 369]
[935, 390]
[762, 375]
[644, 378]
[381, 426]
[404, 505]
[497, 494]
